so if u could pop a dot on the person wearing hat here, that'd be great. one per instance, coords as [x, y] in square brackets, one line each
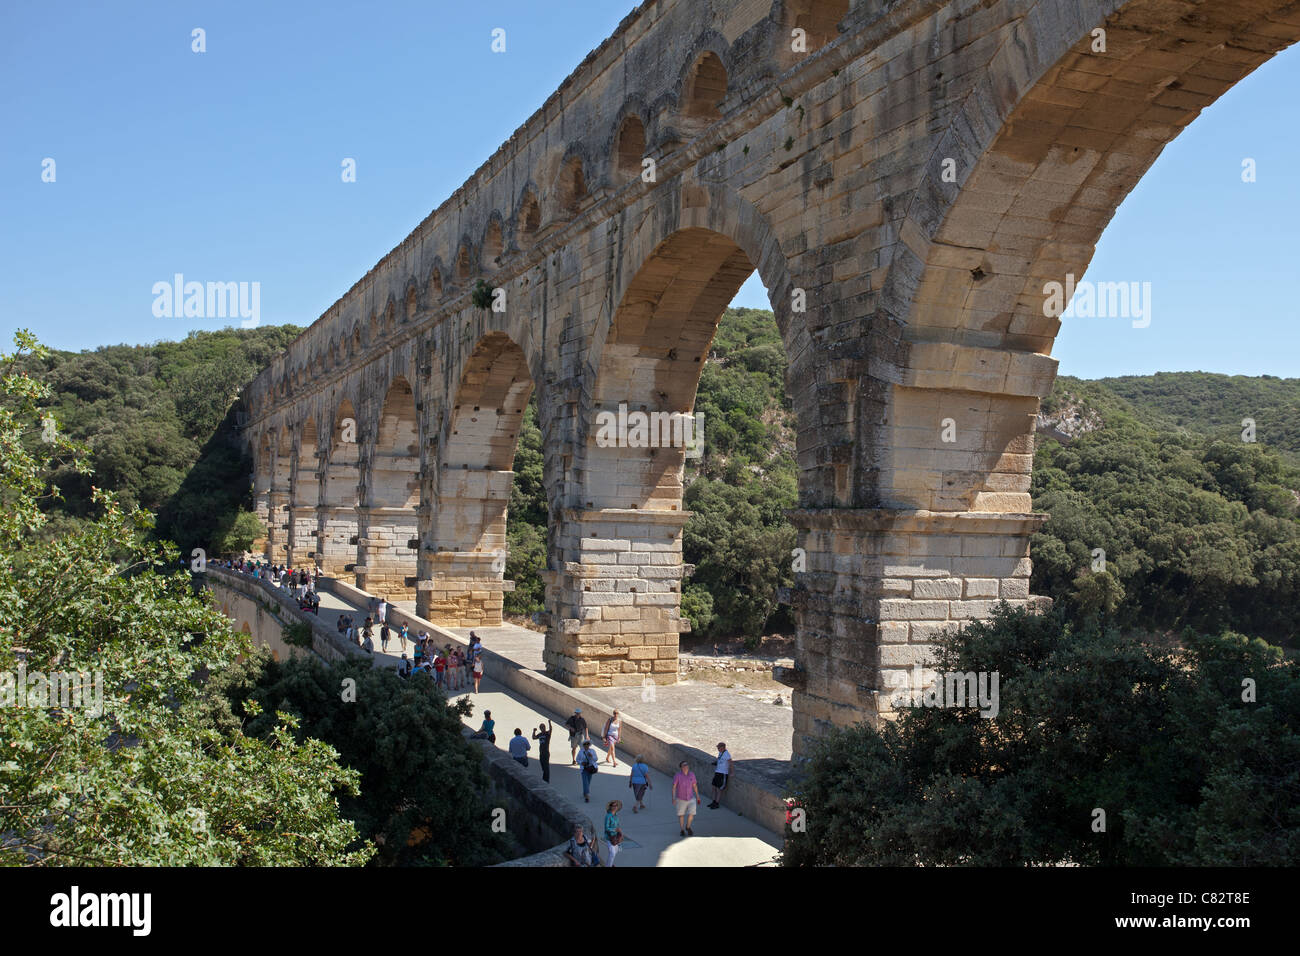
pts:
[577, 725]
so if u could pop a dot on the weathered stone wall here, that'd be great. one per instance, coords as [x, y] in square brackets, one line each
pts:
[905, 188]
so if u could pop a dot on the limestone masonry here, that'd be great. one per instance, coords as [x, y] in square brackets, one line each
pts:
[905, 177]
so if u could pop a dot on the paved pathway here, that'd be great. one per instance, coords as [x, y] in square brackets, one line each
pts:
[652, 837]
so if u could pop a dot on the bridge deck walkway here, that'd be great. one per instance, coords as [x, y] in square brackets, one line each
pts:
[722, 838]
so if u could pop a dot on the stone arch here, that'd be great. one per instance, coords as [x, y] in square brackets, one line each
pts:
[629, 148]
[389, 315]
[336, 535]
[436, 273]
[493, 244]
[305, 497]
[1040, 166]
[389, 521]
[648, 363]
[570, 187]
[279, 497]
[704, 87]
[721, 210]
[528, 217]
[473, 478]
[464, 261]
[818, 19]
[411, 301]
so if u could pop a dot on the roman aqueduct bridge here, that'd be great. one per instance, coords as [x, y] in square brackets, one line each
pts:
[905, 186]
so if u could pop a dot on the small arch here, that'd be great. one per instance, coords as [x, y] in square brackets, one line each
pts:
[390, 315]
[629, 149]
[463, 268]
[817, 19]
[493, 244]
[706, 87]
[412, 302]
[435, 280]
[571, 189]
[529, 218]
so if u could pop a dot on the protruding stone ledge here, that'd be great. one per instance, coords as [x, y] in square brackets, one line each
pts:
[912, 521]
[965, 368]
[627, 516]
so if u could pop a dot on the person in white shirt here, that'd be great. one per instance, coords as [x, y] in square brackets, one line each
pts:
[721, 774]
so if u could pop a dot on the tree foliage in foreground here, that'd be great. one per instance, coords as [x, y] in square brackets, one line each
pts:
[1187, 772]
[421, 782]
[149, 779]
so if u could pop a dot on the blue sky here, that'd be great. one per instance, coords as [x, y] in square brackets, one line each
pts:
[225, 166]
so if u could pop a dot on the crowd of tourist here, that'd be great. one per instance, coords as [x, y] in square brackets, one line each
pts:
[453, 668]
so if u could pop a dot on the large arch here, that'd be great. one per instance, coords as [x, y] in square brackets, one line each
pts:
[263, 464]
[277, 536]
[463, 581]
[617, 601]
[389, 520]
[336, 521]
[305, 497]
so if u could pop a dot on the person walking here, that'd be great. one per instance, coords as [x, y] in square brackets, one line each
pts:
[587, 766]
[582, 849]
[686, 796]
[519, 747]
[543, 737]
[639, 781]
[577, 725]
[384, 634]
[478, 670]
[721, 774]
[613, 834]
[405, 633]
[613, 727]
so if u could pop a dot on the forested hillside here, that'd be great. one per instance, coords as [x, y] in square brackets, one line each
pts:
[155, 420]
[1196, 527]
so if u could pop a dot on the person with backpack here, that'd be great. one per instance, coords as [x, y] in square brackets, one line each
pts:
[587, 766]
[577, 725]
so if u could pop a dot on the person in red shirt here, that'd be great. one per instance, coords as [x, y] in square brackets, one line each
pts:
[439, 665]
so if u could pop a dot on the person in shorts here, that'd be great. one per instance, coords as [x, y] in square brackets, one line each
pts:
[686, 797]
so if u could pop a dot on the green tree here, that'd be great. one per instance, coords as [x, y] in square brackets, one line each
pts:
[138, 776]
[1187, 771]
[421, 782]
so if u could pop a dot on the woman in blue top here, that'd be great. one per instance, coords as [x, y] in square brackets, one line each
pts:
[613, 835]
[487, 730]
[639, 782]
